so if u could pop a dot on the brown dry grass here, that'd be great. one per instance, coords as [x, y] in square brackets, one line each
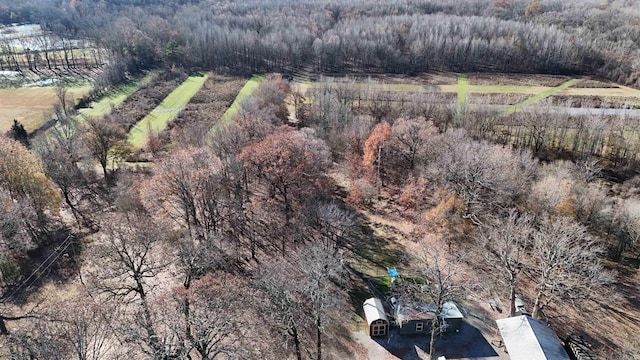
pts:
[496, 99]
[422, 79]
[621, 92]
[143, 100]
[592, 83]
[29, 105]
[204, 110]
[516, 79]
[594, 101]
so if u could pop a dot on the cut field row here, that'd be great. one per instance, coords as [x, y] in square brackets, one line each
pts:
[158, 119]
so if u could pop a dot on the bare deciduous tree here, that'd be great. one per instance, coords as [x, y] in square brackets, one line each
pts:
[438, 284]
[284, 307]
[85, 327]
[106, 142]
[321, 268]
[214, 317]
[488, 178]
[334, 224]
[566, 263]
[506, 243]
[183, 188]
[132, 259]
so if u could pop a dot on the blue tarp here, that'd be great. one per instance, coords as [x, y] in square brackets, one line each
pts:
[393, 272]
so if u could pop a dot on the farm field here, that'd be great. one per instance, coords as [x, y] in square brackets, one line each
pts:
[539, 96]
[245, 91]
[499, 90]
[205, 110]
[29, 105]
[249, 87]
[159, 118]
[115, 99]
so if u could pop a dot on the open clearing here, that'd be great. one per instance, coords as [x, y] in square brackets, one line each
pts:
[535, 98]
[463, 90]
[246, 90]
[29, 105]
[249, 87]
[158, 119]
[103, 106]
[205, 110]
[620, 91]
[510, 91]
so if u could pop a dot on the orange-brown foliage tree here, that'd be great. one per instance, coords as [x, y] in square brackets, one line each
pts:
[289, 161]
[373, 148]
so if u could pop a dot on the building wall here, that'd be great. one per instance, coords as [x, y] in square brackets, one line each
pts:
[411, 327]
[453, 325]
[377, 324]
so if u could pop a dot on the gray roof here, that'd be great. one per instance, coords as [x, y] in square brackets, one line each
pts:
[450, 311]
[425, 311]
[527, 338]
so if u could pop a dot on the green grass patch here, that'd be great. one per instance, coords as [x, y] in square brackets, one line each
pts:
[382, 284]
[103, 106]
[158, 119]
[535, 98]
[246, 90]
[463, 90]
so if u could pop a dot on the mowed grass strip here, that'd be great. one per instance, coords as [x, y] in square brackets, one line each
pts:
[246, 90]
[302, 87]
[535, 98]
[463, 90]
[158, 119]
[496, 89]
[29, 105]
[249, 87]
[116, 98]
[620, 91]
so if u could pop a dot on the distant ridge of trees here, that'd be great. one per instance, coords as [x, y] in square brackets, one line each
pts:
[362, 36]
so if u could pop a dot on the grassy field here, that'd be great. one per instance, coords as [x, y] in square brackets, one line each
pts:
[472, 89]
[463, 90]
[114, 99]
[30, 104]
[496, 89]
[621, 91]
[535, 98]
[249, 87]
[158, 119]
[246, 90]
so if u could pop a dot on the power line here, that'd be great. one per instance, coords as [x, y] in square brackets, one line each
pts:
[40, 270]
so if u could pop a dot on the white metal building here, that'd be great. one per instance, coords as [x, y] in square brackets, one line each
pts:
[527, 338]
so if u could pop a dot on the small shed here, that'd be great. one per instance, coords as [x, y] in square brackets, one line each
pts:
[378, 324]
[527, 338]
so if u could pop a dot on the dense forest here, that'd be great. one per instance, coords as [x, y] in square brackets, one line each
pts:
[547, 36]
[257, 236]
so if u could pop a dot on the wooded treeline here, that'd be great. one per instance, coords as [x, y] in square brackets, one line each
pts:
[556, 37]
[53, 53]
